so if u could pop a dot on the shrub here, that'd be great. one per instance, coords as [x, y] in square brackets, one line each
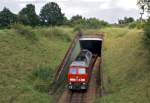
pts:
[42, 78]
[132, 25]
[91, 23]
[147, 34]
[137, 24]
[41, 85]
[140, 25]
[25, 31]
[55, 32]
[77, 28]
[43, 73]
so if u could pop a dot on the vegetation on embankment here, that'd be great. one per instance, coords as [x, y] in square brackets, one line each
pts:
[28, 58]
[147, 34]
[126, 67]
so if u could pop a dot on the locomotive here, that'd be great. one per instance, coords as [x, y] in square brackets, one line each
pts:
[78, 74]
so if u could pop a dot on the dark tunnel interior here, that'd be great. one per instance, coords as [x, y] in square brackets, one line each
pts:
[94, 46]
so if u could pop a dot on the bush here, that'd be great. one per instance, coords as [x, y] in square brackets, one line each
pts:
[132, 25]
[41, 85]
[91, 23]
[25, 31]
[147, 34]
[137, 24]
[43, 73]
[140, 25]
[77, 28]
[42, 78]
[55, 32]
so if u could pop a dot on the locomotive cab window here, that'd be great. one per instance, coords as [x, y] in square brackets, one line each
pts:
[72, 71]
[81, 71]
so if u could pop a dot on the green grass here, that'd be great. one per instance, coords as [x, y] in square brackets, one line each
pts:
[126, 67]
[20, 57]
[28, 58]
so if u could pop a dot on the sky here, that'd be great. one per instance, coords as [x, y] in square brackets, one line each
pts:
[108, 10]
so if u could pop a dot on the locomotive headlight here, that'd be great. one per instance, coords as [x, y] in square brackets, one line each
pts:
[84, 83]
[82, 80]
[72, 79]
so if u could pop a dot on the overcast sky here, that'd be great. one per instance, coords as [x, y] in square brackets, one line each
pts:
[108, 10]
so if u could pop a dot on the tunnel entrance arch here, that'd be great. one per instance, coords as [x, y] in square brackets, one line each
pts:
[93, 44]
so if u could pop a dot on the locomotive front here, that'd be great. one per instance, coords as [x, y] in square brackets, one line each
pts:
[78, 75]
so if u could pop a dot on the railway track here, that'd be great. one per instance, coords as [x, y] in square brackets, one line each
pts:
[93, 43]
[77, 97]
[83, 96]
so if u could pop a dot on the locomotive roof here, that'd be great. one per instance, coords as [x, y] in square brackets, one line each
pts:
[81, 59]
[82, 55]
[79, 64]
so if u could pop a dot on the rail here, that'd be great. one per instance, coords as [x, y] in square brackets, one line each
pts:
[95, 81]
[83, 96]
[60, 68]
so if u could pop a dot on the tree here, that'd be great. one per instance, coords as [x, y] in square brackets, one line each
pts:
[95, 23]
[144, 5]
[28, 16]
[76, 18]
[7, 17]
[51, 14]
[66, 21]
[126, 20]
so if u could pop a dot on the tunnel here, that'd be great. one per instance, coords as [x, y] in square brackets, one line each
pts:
[92, 44]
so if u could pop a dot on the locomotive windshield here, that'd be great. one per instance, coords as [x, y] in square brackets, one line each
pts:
[72, 71]
[82, 71]
[77, 70]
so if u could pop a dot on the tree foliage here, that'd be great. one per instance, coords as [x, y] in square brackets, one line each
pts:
[95, 23]
[80, 22]
[7, 17]
[51, 14]
[126, 20]
[76, 18]
[28, 16]
[144, 5]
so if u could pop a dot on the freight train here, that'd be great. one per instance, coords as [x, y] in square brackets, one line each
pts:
[78, 74]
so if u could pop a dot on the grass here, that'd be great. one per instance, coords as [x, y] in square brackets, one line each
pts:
[27, 67]
[21, 60]
[126, 67]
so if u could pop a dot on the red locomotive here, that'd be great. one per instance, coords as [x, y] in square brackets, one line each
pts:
[78, 75]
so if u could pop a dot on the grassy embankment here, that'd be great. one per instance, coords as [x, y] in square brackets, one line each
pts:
[27, 64]
[28, 58]
[126, 67]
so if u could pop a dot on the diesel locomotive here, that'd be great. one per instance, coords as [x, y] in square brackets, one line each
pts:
[78, 74]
